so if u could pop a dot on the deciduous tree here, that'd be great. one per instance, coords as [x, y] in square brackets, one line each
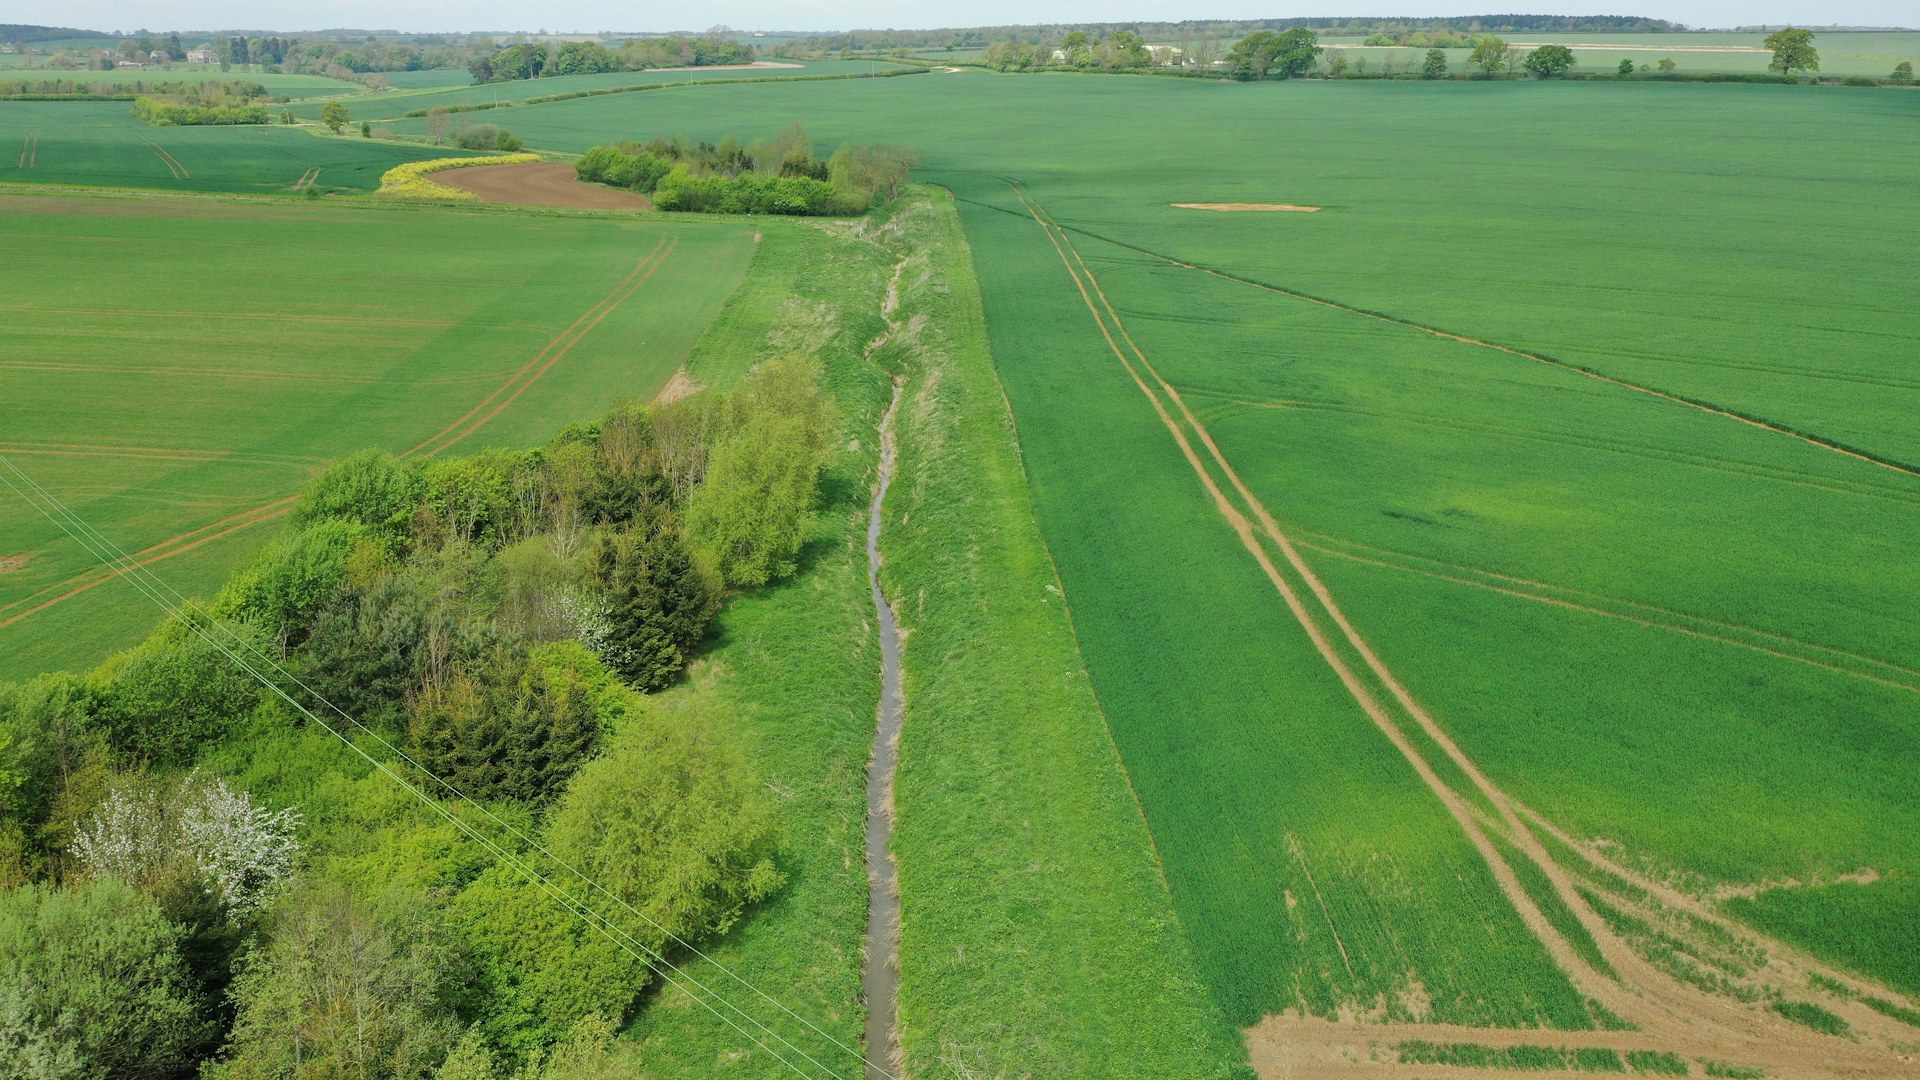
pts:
[1549, 61]
[1792, 51]
[1491, 54]
[334, 115]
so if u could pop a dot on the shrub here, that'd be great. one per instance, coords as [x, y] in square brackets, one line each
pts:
[177, 692]
[163, 113]
[346, 987]
[282, 589]
[669, 821]
[1902, 74]
[92, 984]
[370, 488]
[750, 516]
[478, 137]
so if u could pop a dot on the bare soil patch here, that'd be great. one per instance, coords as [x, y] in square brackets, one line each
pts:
[680, 386]
[10, 563]
[541, 183]
[1248, 207]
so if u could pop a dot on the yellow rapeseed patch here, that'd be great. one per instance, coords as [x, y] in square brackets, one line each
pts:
[410, 181]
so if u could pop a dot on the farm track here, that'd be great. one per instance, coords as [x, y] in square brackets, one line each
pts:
[549, 354]
[467, 424]
[1691, 459]
[29, 149]
[1683, 1017]
[1762, 423]
[1739, 635]
[172, 163]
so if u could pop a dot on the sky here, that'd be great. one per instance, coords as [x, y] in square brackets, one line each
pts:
[587, 16]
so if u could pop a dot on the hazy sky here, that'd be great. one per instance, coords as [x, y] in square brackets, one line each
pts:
[593, 15]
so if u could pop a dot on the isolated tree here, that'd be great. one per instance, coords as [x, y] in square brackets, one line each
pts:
[1626, 67]
[1792, 51]
[1667, 64]
[1549, 61]
[1491, 54]
[1435, 65]
[334, 115]
[1902, 74]
[366, 129]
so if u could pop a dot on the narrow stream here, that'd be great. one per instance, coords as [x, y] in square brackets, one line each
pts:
[879, 980]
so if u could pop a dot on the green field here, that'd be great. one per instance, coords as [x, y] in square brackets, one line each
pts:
[1655, 255]
[100, 144]
[440, 331]
[1865, 55]
[1561, 462]
[388, 104]
[293, 86]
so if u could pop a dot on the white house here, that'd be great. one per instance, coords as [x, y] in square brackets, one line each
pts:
[202, 55]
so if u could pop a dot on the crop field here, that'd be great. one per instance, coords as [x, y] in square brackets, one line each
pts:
[1865, 55]
[388, 104]
[100, 144]
[1489, 538]
[220, 392]
[1632, 541]
[293, 86]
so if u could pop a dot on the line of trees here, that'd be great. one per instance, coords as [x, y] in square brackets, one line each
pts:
[533, 60]
[780, 175]
[204, 103]
[193, 882]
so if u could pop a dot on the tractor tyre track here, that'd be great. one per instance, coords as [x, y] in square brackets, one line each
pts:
[551, 354]
[1656, 1002]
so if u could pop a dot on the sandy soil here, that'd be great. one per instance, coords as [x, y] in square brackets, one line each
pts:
[542, 183]
[1244, 207]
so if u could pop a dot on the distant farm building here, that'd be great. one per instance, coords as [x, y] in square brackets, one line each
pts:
[202, 55]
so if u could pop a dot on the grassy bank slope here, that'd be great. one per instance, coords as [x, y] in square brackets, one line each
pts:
[1038, 938]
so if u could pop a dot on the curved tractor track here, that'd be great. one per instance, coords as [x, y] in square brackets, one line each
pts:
[1668, 1010]
[439, 442]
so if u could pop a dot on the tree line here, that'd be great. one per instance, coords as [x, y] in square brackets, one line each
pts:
[209, 103]
[780, 175]
[533, 60]
[194, 881]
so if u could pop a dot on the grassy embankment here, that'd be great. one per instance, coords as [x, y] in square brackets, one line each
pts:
[1037, 934]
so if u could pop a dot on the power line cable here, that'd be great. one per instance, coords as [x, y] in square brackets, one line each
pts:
[150, 585]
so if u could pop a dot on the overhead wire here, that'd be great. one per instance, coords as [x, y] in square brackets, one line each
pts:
[150, 585]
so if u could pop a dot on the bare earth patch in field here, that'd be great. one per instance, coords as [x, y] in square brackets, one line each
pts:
[1247, 207]
[542, 183]
[680, 386]
[10, 563]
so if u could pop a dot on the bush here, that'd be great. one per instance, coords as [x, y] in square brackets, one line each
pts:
[750, 516]
[345, 987]
[167, 699]
[92, 984]
[370, 488]
[163, 113]
[670, 821]
[1902, 74]
[282, 589]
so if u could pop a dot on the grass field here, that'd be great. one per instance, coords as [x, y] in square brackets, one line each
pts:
[1561, 463]
[1866, 55]
[210, 398]
[1651, 233]
[100, 144]
[388, 104]
[292, 86]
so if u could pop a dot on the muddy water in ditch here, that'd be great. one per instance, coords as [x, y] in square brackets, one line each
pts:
[879, 981]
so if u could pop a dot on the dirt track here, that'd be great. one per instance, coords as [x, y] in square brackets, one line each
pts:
[543, 183]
